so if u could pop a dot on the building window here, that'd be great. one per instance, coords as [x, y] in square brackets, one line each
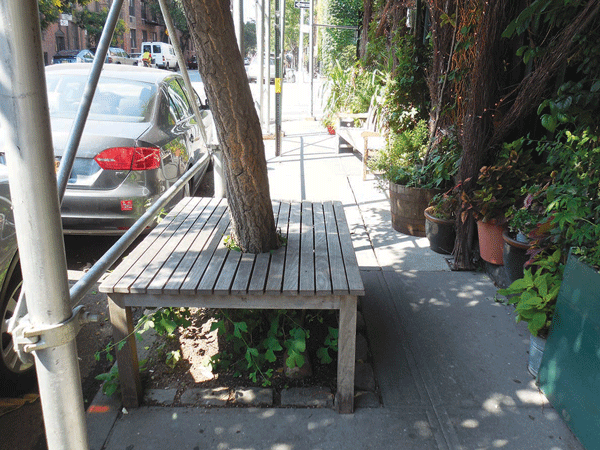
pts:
[60, 41]
[133, 40]
[154, 36]
[143, 9]
[132, 7]
[144, 36]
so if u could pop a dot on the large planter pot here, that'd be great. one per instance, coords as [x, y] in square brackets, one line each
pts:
[536, 351]
[440, 232]
[407, 206]
[491, 246]
[515, 256]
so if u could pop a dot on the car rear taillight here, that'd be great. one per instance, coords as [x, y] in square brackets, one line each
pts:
[129, 158]
[109, 60]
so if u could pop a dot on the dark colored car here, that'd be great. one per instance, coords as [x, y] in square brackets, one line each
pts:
[73, 56]
[140, 137]
[15, 376]
[192, 63]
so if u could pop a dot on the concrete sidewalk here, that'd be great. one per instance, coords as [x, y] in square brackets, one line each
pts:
[450, 362]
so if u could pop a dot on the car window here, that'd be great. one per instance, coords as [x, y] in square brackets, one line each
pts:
[115, 99]
[156, 49]
[147, 48]
[177, 92]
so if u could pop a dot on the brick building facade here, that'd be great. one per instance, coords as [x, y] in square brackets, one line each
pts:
[141, 26]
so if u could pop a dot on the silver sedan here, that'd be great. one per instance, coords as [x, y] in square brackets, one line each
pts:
[140, 137]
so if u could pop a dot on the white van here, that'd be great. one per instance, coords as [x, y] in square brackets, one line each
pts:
[163, 54]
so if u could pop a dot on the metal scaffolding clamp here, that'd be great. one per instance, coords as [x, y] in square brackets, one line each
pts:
[30, 339]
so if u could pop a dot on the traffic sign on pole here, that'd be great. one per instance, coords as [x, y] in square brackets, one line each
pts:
[302, 4]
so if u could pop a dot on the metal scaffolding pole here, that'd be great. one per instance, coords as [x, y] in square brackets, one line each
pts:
[267, 84]
[311, 52]
[27, 142]
[260, 37]
[238, 20]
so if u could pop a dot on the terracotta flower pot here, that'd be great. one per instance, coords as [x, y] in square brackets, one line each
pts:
[491, 244]
[330, 129]
[440, 232]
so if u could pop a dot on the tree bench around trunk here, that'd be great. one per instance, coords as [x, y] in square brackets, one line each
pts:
[364, 137]
[184, 262]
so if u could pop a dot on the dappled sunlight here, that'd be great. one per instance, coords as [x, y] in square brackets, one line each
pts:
[470, 423]
[496, 403]
[532, 395]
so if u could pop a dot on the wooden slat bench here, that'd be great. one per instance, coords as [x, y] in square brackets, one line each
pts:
[184, 262]
[364, 138]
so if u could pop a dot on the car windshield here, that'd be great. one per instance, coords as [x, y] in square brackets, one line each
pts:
[115, 99]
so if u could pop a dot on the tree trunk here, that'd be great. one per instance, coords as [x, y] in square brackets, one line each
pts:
[364, 33]
[222, 69]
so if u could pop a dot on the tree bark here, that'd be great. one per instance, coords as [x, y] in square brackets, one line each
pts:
[240, 136]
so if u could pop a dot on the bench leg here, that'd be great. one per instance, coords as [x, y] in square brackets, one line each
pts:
[129, 372]
[365, 158]
[346, 355]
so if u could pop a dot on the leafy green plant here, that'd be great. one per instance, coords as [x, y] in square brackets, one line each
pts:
[534, 295]
[444, 206]
[164, 321]
[405, 160]
[499, 186]
[258, 339]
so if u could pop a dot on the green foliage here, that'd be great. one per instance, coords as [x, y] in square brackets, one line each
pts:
[164, 321]
[50, 10]
[534, 295]
[403, 160]
[231, 244]
[499, 186]
[444, 206]
[111, 381]
[335, 41]
[258, 338]
[93, 23]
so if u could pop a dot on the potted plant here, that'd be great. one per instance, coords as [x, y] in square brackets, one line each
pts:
[534, 297]
[414, 175]
[526, 225]
[499, 188]
[440, 220]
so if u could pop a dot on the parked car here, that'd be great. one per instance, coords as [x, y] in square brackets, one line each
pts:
[116, 55]
[253, 70]
[73, 56]
[140, 137]
[163, 54]
[192, 63]
[15, 377]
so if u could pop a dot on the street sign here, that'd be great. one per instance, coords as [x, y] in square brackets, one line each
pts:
[302, 4]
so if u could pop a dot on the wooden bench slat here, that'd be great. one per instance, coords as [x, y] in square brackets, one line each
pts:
[191, 254]
[209, 279]
[260, 269]
[275, 274]
[200, 219]
[307, 252]
[291, 272]
[322, 271]
[355, 284]
[195, 274]
[132, 274]
[229, 273]
[336, 261]
[113, 278]
[159, 262]
[241, 281]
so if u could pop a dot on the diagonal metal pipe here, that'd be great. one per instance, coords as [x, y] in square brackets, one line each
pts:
[68, 158]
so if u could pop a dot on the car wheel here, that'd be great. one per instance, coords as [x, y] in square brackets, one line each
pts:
[17, 377]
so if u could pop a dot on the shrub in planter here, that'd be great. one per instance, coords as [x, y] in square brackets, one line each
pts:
[440, 218]
[414, 175]
[499, 189]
